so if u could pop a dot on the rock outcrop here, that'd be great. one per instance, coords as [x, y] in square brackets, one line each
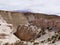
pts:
[6, 33]
[44, 21]
[27, 32]
[24, 23]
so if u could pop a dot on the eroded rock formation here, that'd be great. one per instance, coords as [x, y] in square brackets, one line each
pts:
[44, 21]
[27, 32]
[6, 33]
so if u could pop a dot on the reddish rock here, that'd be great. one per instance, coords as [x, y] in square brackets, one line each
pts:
[25, 33]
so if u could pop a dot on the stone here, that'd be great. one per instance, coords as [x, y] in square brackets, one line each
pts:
[27, 33]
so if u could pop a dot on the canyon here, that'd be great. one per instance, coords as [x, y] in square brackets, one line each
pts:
[28, 25]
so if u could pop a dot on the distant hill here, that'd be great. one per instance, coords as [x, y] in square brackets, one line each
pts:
[22, 10]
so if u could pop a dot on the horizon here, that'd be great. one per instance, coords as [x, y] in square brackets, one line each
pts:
[35, 6]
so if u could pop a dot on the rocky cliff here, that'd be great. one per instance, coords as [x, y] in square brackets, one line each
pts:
[14, 18]
[28, 23]
[17, 18]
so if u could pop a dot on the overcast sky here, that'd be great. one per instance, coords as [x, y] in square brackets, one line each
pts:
[39, 6]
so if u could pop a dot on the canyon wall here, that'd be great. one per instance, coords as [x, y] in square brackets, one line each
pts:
[14, 18]
[44, 21]
[38, 19]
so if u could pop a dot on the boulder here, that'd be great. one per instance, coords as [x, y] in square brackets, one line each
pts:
[27, 32]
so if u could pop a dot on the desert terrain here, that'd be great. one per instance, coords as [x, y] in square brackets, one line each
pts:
[45, 28]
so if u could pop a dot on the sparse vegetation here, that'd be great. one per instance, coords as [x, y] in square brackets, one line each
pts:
[49, 39]
[43, 41]
[36, 43]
